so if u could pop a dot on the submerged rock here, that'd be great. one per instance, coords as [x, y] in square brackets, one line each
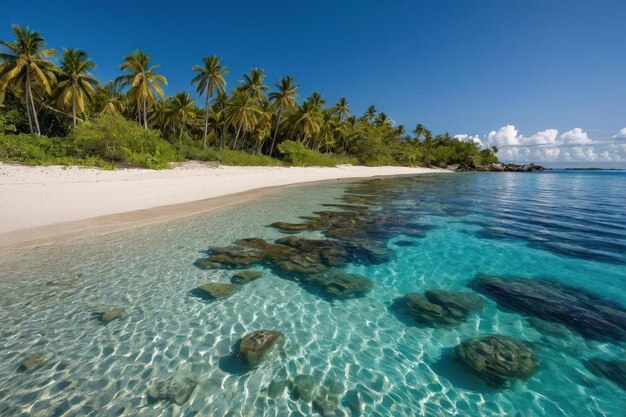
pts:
[246, 276]
[256, 345]
[437, 307]
[591, 315]
[34, 361]
[405, 243]
[498, 359]
[613, 370]
[303, 387]
[290, 227]
[339, 284]
[217, 290]
[177, 389]
[108, 316]
[275, 389]
[549, 328]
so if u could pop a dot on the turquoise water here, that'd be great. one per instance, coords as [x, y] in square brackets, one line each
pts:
[569, 226]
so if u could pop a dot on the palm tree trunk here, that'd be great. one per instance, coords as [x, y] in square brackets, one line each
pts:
[145, 114]
[206, 117]
[139, 118]
[180, 135]
[74, 110]
[32, 103]
[237, 136]
[27, 98]
[280, 114]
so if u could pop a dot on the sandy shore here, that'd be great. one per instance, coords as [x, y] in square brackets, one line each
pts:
[37, 201]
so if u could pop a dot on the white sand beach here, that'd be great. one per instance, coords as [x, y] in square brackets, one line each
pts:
[35, 197]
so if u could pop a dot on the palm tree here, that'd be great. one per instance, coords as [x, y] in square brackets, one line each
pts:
[316, 100]
[308, 121]
[253, 84]
[24, 64]
[341, 109]
[382, 119]
[241, 112]
[420, 131]
[370, 113]
[209, 79]
[283, 99]
[183, 109]
[143, 81]
[112, 99]
[76, 84]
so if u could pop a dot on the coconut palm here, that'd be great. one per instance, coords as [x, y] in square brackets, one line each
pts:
[145, 84]
[253, 84]
[341, 109]
[210, 78]
[382, 119]
[316, 100]
[183, 110]
[76, 84]
[308, 121]
[25, 64]
[112, 99]
[370, 113]
[242, 112]
[283, 99]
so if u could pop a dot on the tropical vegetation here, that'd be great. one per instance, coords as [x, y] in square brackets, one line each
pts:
[53, 110]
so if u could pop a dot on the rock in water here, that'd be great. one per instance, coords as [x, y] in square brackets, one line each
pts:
[442, 307]
[256, 345]
[303, 387]
[246, 276]
[549, 328]
[177, 389]
[591, 315]
[219, 290]
[110, 315]
[338, 284]
[497, 359]
[34, 361]
[613, 370]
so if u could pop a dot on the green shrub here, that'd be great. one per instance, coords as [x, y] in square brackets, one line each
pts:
[295, 153]
[42, 150]
[116, 139]
[241, 158]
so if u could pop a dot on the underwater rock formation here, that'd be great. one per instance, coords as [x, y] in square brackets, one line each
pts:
[217, 290]
[246, 276]
[498, 359]
[256, 345]
[588, 314]
[438, 307]
[176, 389]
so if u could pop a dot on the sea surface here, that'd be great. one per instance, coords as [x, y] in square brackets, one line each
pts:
[568, 226]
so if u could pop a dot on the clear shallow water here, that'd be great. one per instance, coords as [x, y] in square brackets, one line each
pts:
[566, 225]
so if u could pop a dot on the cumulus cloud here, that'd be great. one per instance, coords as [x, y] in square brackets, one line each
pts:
[621, 134]
[574, 145]
[575, 136]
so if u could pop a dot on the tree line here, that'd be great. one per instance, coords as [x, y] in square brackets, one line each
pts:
[39, 96]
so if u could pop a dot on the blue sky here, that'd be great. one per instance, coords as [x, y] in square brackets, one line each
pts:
[466, 67]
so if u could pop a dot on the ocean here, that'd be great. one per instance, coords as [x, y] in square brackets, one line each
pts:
[546, 239]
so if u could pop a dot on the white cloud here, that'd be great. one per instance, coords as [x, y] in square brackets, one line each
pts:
[575, 136]
[620, 134]
[548, 146]
[505, 136]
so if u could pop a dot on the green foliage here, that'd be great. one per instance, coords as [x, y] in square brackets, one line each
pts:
[42, 150]
[5, 125]
[241, 158]
[295, 153]
[116, 139]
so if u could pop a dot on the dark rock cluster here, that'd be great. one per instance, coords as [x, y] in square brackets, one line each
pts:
[438, 307]
[498, 167]
[591, 315]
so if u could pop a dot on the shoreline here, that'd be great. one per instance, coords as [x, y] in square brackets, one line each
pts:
[44, 205]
